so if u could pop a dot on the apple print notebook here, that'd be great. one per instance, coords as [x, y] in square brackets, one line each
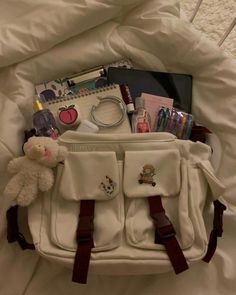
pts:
[107, 112]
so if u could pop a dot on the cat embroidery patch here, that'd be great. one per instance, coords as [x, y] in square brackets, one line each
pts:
[147, 175]
[108, 186]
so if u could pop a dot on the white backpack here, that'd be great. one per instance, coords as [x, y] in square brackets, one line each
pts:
[127, 204]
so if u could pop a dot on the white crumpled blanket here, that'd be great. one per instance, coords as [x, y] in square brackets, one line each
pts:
[45, 39]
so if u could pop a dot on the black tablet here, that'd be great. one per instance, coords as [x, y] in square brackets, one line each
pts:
[176, 86]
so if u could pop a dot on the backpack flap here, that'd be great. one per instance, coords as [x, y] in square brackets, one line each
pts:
[90, 176]
[150, 173]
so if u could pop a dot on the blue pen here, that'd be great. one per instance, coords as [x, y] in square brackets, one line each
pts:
[161, 115]
[166, 119]
[170, 123]
[173, 122]
[188, 127]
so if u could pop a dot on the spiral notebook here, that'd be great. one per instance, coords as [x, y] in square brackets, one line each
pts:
[107, 112]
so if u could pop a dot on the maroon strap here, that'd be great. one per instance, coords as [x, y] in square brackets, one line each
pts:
[217, 230]
[165, 234]
[84, 237]
[13, 234]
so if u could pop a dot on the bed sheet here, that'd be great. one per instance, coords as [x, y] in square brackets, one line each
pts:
[43, 40]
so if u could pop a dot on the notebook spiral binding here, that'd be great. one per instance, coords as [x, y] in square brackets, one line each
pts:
[80, 95]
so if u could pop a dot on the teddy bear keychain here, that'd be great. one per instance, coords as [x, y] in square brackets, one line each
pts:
[33, 172]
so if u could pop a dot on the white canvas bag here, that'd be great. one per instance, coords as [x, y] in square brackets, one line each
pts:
[140, 198]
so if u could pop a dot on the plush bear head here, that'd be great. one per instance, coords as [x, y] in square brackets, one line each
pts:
[45, 151]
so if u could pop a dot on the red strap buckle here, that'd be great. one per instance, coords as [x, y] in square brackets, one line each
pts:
[165, 234]
[85, 230]
[13, 233]
[163, 226]
[217, 230]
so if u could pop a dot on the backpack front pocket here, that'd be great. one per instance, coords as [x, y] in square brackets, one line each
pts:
[87, 176]
[160, 173]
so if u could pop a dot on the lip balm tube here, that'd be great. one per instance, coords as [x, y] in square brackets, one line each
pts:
[127, 98]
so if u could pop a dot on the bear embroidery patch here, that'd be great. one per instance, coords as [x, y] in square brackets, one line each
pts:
[147, 175]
